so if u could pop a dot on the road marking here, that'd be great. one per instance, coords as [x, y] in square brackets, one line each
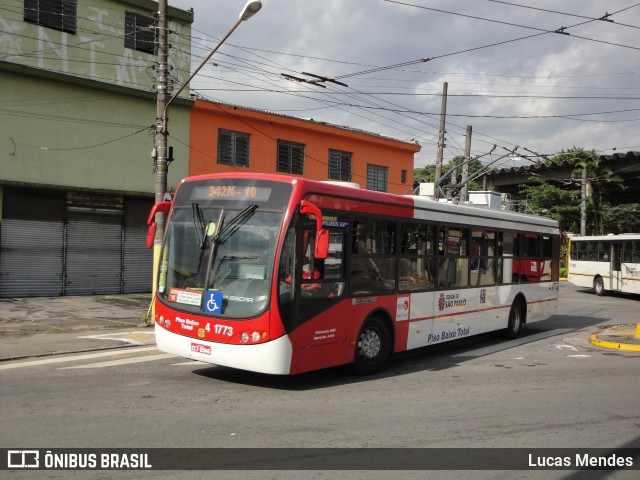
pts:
[73, 358]
[133, 338]
[566, 347]
[191, 362]
[123, 361]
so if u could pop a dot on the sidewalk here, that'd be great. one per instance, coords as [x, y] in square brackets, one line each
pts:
[39, 326]
[618, 337]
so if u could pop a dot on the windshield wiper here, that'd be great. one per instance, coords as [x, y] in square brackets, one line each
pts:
[217, 239]
[233, 225]
[199, 226]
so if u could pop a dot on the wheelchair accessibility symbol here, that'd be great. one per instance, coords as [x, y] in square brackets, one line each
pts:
[213, 302]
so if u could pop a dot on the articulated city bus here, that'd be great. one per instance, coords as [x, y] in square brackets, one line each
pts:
[605, 263]
[283, 275]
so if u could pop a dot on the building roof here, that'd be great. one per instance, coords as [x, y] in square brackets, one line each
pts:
[413, 144]
[626, 165]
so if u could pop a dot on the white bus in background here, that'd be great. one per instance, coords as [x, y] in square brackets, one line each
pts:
[606, 263]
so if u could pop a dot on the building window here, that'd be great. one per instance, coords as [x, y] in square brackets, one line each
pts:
[56, 14]
[290, 157]
[233, 148]
[340, 165]
[140, 32]
[403, 176]
[377, 178]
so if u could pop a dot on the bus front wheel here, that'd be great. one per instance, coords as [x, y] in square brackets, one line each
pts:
[598, 286]
[373, 347]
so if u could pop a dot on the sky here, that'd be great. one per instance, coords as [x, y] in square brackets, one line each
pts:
[539, 75]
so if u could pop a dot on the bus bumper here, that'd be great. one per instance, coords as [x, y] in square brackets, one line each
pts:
[272, 357]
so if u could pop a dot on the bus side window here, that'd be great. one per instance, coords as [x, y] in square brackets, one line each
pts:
[286, 268]
[317, 274]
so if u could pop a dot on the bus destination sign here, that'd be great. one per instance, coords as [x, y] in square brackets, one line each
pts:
[232, 192]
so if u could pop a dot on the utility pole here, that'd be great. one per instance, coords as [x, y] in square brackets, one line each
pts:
[163, 100]
[443, 114]
[464, 196]
[160, 139]
[583, 203]
[162, 85]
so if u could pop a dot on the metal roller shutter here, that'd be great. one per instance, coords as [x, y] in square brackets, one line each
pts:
[31, 243]
[137, 265]
[31, 258]
[93, 254]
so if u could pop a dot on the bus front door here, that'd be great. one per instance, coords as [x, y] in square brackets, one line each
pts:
[616, 266]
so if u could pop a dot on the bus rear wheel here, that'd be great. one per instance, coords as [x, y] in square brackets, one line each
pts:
[516, 320]
[373, 347]
[598, 286]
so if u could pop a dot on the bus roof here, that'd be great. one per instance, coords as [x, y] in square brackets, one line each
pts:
[619, 236]
[423, 206]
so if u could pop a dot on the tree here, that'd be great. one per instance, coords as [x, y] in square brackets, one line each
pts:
[547, 200]
[600, 181]
[573, 153]
[428, 173]
[619, 219]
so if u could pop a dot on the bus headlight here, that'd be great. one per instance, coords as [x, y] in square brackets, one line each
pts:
[253, 336]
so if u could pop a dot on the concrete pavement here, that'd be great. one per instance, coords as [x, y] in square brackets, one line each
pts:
[39, 326]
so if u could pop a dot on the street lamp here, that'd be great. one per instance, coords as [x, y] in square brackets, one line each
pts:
[251, 8]
[162, 133]
[162, 104]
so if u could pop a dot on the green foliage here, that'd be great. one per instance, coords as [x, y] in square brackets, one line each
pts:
[618, 219]
[550, 201]
[572, 154]
[600, 181]
[428, 173]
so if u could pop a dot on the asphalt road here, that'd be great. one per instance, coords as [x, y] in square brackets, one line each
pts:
[549, 389]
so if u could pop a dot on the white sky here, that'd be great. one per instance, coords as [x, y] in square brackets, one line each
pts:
[582, 92]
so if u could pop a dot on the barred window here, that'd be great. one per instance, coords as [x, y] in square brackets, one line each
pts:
[377, 178]
[140, 32]
[290, 157]
[57, 14]
[403, 176]
[340, 165]
[233, 148]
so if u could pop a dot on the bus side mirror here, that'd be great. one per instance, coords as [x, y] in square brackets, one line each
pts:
[322, 244]
[322, 235]
[160, 207]
[151, 234]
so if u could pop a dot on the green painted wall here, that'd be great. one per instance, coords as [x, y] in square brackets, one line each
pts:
[76, 109]
[65, 135]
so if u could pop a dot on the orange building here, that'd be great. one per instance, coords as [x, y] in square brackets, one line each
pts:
[226, 138]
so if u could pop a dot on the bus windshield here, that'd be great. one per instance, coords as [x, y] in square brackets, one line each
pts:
[219, 254]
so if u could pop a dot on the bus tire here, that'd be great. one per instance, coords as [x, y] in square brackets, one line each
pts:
[373, 347]
[516, 319]
[598, 286]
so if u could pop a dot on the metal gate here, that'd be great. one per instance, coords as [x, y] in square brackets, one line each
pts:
[93, 254]
[137, 264]
[49, 246]
[31, 244]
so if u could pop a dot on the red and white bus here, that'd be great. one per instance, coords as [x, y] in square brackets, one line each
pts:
[283, 275]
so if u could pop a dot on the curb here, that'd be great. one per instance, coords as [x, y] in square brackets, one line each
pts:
[628, 340]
